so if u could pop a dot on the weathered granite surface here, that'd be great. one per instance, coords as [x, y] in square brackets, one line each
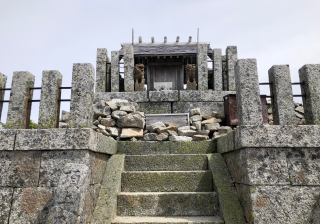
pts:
[155, 107]
[7, 139]
[281, 90]
[128, 59]
[102, 73]
[115, 81]
[106, 206]
[164, 95]
[49, 105]
[277, 136]
[205, 107]
[309, 75]
[226, 143]
[248, 93]
[278, 204]
[217, 69]
[19, 96]
[202, 66]
[232, 57]
[203, 96]
[3, 82]
[130, 96]
[82, 90]
[5, 203]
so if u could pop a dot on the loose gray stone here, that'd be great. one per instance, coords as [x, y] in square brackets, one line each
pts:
[131, 132]
[164, 95]
[193, 128]
[309, 74]
[115, 82]
[130, 121]
[112, 105]
[149, 137]
[101, 111]
[128, 59]
[173, 138]
[212, 126]
[217, 135]
[19, 96]
[232, 57]
[139, 114]
[197, 125]
[217, 69]
[299, 115]
[195, 111]
[118, 113]
[96, 122]
[65, 116]
[63, 125]
[113, 131]
[299, 109]
[202, 66]
[281, 90]
[81, 112]
[162, 137]
[189, 133]
[108, 122]
[102, 71]
[184, 128]
[195, 118]
[248, 93]
[203, 132]
[172, 133]
[129, 108]
[218, 115]
[153, 127]
[200, 137]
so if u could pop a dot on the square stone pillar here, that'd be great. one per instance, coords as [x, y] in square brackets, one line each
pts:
[102, 71]
[217, 69]
[82, 91]
[310, 77]
[248, 92]
[281, 90]
[3, 83]
[202, 66]
[18, 116]
[232, 57]
[128, 59]
[115, 82]
[49, 102]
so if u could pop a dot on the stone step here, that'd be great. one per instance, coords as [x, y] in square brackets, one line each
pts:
[166, 147]
[163, 220]
[166, 181]
[168, 204]
[166, 162]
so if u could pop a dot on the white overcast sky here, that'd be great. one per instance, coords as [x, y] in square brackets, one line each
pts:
[52, 35]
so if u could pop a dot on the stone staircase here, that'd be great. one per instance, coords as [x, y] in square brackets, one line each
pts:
[167, 188]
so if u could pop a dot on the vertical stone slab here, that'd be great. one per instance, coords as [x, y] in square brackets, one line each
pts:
[3, 82]
[232, 57]
[128, 58]
[102, 79]
[49, 104]
[19, 111]
[310, 77]
[115, 82]
[248, 93]
[217, 69]
[82, 91]
[202, 66]
[5, 204]
[281, 90]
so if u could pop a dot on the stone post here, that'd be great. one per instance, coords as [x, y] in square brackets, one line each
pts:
[248, 93]
[49, 108]
[202, 66]
[18, 116]
[115, 82]
[3, 82]
[128, 59]
[310, 79]
[102, 71]
[232, 56]
[217, 69]
[281, 90]
[82, 91]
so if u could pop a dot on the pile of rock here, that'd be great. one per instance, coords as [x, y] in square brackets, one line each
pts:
[64, 119]
[299, 111]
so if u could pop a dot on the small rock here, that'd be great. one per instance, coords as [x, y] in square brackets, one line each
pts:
[118, 113]
[184, 128]
[112, 105]
[131, 132]
[96, 122]
[101, 111]
[139, 114]
[130, 121]
[195, 118]
[108, 122]
[216, 136]
[133, 139]
[200, 137]
[165, 129]
[172, 133]
[218, 115]
[299, 115]
[114, 132]
[203, 132]
[224, 130]
[145, 132]
[65, 116]
[197, 125]
[195, 111]
[99, 118]
[101, 127]
[300, 109]
[162, 137]
[210, 121]
[128, 108]
[153, 127]
[63, 125]
[212, 126]
[270, 117]
[168, 124]
[193, 128]
[149, 137]
[180, 138]
[104, 132]
[189, 133]
[295, 104]
[101, 103]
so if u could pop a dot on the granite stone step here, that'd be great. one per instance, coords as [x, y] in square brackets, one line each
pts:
[171, 219]
[166, 181]
[166, 147]
[166, 162]
[168, 204]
